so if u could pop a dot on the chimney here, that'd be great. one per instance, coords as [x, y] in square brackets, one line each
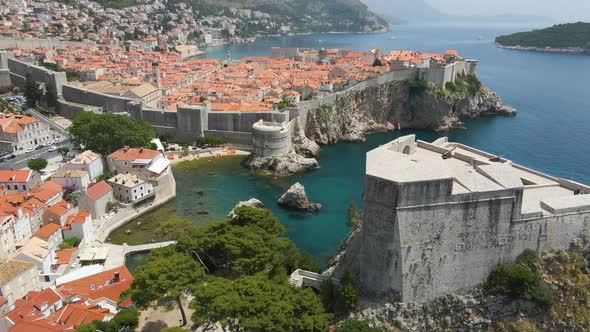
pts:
[126, 148]
[116, 277]
[140, 150]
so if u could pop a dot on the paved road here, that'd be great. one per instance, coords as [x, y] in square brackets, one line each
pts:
[21, 160]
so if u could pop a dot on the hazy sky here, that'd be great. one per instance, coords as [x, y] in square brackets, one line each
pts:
[563, 10]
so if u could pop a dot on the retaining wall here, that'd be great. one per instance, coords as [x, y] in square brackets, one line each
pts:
[111, 104]
[19, 70]
[234, 137]
[13, 42]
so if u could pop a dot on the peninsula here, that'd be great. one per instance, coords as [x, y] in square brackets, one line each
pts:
[561, 38]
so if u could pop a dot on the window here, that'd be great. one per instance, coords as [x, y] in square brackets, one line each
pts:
[24, 187]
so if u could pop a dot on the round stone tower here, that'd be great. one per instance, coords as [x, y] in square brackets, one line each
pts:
[270, 139]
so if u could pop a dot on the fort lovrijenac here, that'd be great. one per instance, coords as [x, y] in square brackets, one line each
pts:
[439, 216]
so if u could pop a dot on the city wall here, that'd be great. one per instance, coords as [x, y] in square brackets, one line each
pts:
[14, 42]
[19, 70]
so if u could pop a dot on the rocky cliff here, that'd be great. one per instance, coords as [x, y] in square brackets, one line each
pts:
[378, 108]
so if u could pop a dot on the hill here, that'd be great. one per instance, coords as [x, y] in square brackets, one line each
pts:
[300, 15]
[568, 37]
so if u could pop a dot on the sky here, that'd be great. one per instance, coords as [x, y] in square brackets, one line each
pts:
[562, 10]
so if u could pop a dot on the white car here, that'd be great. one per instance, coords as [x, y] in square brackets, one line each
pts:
[74, 265]
[52, 148]
[30, 149]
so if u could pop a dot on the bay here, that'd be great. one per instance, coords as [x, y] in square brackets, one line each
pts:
[551, 132]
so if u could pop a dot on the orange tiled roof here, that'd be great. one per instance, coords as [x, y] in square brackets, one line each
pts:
[64, 256]
[105, 285]
[130, 154]
[98, 190]
[61, 208]
[14, 176]
[46, 190]
[47, 230]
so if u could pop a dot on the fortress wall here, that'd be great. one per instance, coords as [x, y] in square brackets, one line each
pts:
[13, 42]
[111, 104]
[68, 110]
[242, 121]
[234, 137]
[19, 70]
[438, 243]
[5, 79]
[451, 247]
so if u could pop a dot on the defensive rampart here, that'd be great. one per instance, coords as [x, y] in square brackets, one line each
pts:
[52, 80]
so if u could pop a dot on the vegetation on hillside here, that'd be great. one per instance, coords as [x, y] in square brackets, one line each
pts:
[236, 271]
[124, 320]
[557, 36]
[108, 132]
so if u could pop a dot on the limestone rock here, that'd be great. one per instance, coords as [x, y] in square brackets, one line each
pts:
[376, 107]
[253, 202]
[303, 145]
[295, 198]
[281, 165]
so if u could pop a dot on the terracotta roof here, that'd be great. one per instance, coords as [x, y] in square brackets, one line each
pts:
[30, 307]
[11, 176]
[46, 190]
[61, 208]
[129, 154]
[47, 230]
[98, 190]
[100, 285]
[79, 218]
[64, 256]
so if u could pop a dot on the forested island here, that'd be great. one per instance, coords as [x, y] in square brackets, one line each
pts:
[561, 38]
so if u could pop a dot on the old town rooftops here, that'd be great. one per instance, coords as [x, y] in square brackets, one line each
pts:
[84, 158]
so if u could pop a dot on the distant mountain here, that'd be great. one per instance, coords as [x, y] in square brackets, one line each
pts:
[404, 10]
[562, 36]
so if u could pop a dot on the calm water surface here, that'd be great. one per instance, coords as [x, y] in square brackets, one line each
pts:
[551, 132]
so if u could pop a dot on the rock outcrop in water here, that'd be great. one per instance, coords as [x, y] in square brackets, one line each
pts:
[281, 165]
[378, 107]
[295, 198]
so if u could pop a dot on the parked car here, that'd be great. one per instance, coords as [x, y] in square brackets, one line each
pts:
[30, 149]
[7, 157]
[52, 148]
[40, 146]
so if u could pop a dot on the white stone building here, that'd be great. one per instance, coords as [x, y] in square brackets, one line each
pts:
[78, 225]
[20, 132]
[128, 188]
[88, 161]
[71, 179]
[96, 199]
[19, 180]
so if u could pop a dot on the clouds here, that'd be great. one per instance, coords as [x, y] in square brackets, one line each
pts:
[564, 10]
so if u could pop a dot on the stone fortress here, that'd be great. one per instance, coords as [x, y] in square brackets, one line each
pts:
[191, 121]
[439, 216]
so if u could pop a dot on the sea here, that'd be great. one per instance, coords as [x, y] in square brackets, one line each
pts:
[551, 132]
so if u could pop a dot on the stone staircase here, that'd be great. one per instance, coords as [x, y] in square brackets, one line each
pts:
[348, 258]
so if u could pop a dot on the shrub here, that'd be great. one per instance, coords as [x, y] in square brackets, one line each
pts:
[474, 84]
[528, 259]
[451, 87]
[510, 279]
[417, 86]
[353, 325]
[69, 243]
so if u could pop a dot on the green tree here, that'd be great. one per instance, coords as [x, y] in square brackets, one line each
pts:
[175, 228]
[63, 150]
[37, 164]
[348, 294]
[167, 273]
[257, 303]
[209, 140]
[31, 91]
[354, 214]
[377, 63]
[126, 317]
[173, 329]
[107, 132]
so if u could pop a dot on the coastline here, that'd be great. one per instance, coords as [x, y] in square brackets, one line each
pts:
[567, 50]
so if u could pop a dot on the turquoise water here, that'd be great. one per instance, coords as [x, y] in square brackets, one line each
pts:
[551, 132]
